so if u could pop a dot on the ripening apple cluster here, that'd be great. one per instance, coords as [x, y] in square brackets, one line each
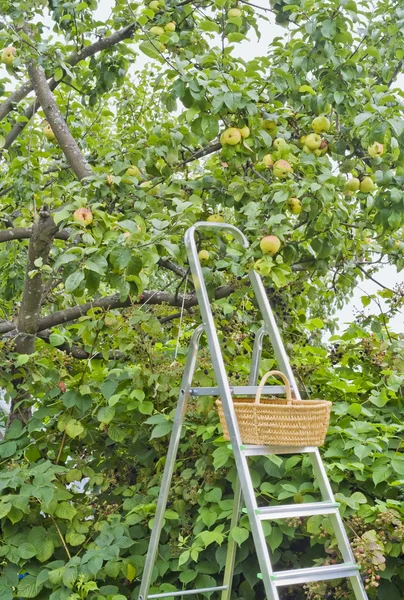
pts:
[365, 184]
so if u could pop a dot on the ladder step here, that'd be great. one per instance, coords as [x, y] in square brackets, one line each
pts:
[264, 450]
[297, 510]
[220, 588]
[296, 576]
[241, 390]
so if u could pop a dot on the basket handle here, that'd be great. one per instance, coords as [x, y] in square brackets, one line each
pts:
[262, 383]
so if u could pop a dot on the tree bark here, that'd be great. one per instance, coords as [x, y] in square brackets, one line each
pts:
[68, 144]
[39, 247]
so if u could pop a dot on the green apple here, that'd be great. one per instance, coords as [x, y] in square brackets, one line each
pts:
[48, 132]
[170, 26]
[8, 55]
[367, 185]
[84, 216]
[375, 150]
[157, 30]
[282, 168]
[270, 126]
[203, 255]
[280, 144]
[244, 131]
[154, 5]
[231, 136]
[320, 124]
[215, 218]
[234, 13]
[270, 244]
[267, 161]
[150, 188]
[133, 171]
[353, 184]
[313, 141]
[295, 206]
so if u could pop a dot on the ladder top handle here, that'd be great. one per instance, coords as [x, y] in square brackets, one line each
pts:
[263, 381]
[237, 234]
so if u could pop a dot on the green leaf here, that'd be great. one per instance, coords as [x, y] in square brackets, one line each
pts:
[161, 430]
[73, 281]
[239, 534]
[66, 511]
[27, 587]
[44, 549]
[275, 539]
[7, 449]
[151, 51]
[74, 428]
[398, 464]
[56, 339]
[106, 414]
[26, 550]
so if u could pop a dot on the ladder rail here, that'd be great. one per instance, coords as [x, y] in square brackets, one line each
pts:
[170, 463]
[226, 396]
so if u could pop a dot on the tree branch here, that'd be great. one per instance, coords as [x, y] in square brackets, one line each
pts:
[14, 98]
[24, 233]
[201, 153]
[111, 302]
[366, 274]
[68, 144]
[168, 264]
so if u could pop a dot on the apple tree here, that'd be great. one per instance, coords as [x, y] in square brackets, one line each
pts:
[117, 134]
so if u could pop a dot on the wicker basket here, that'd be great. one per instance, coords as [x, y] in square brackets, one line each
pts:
[278, 421]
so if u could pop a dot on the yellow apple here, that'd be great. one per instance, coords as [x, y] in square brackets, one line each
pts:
[234, 12]
[48, 132]
[133, 171]
[367, 185]
[244, 131]
[270, 244]
[320, 124]
[203, 255]
[170, 26]
[154, 5]
[375, 150]
[157, 30]
[295, 206]
[215, 218]
[313, 141]
[280, 143]
[84, 216]
[8, 55]
[282, 168]
[353, 184]
[267, 161]
[231, 136]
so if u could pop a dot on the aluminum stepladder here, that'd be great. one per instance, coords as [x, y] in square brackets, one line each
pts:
[244, 489]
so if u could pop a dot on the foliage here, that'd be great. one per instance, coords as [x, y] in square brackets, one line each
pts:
[92, 345]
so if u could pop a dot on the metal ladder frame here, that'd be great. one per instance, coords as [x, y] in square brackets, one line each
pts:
[244, 487]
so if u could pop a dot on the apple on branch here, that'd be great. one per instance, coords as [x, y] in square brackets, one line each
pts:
[295, 206]
[268, 161]
[282, 169]
[367, 185]
[244, 131]
[313, 141]
[48, 132]
[376, 150]
[270, 244]
[320, 124]
[231, 136]
[83, 215]
[8, 56]
[203, 255]
[216, 218]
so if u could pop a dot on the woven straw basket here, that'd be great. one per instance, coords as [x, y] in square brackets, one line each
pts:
[278, 421]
